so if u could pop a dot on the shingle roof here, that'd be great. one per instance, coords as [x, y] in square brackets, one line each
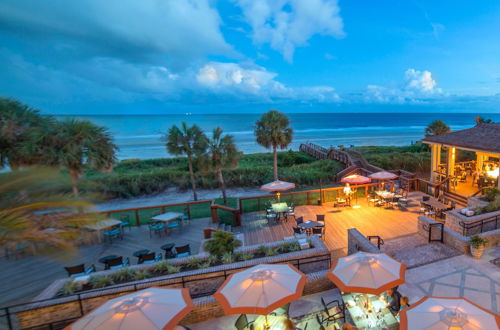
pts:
[482, 137]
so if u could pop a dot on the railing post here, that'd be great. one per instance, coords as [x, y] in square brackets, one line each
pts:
[162, 209]
[188, 211]
[137, 219]
[80, 305]
[9, 321]
[308, 198]
[258, 203]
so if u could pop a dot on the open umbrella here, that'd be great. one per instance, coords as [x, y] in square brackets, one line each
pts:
[363, 272]
[439, 313]
[383, 175]
[277, 186]
[355, 179]
[148, 309]
[261, 289]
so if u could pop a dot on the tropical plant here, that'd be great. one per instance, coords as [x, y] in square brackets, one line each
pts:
[437, 127]
[481, 120]
[289, 247]
[222, 154]
[222, 242]
[262, 249]
[189, 141]
[227, 258]
[193, 262]
[272, 251]
[161, 267]
[272, 131]
[173, 269]
[241, 255]
[477, 241]
[490, 194]
[20, 127]
[28, 193]
[123, 275]
[213, 259]
[100, 281]
[78, 145]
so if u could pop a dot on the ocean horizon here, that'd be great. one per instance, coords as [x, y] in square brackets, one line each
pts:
[140, 136]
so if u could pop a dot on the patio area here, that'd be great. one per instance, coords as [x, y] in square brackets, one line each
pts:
[39, 272]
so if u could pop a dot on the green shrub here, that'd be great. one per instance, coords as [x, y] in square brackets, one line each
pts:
[212, 260]
[289, 247]
[193, 262]
[490, 194]
[221, 242]
[243, 256]
[123, 275]
[161, 267]
[173, 269]
[272, 252]
[204, 265]
[70, 287]
[262, 249]
[227, 258]
[141, 274]
[477, 241]
[100, 281]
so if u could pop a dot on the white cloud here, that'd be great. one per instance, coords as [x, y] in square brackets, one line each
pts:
[287, 24]
[417, 86]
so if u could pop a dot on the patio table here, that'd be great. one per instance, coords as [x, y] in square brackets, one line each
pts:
[435, 204]
[385, 194]
[309, 224]
[377, 317]
[280, 209]
[169, 216]
[101, 226]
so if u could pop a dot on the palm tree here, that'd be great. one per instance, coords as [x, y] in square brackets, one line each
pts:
[437, 127]
[272, 131]
[189, 141]
[79, 145]
[222, 154]
[19, 127]
[481, 120]
[25, 194]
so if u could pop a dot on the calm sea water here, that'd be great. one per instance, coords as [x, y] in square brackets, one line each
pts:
[139, 136]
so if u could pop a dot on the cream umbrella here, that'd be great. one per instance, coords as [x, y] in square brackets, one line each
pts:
[261, 289]
[355, 179]
[278, 186]
[148, 309]
[363, 272]
[382, 175]
[438, 313]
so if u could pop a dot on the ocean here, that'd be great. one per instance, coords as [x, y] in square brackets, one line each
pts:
[140, 136]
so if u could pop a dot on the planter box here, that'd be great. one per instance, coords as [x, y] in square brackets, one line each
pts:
[454, 217]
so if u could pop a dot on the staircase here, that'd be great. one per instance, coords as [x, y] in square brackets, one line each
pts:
[453, 197]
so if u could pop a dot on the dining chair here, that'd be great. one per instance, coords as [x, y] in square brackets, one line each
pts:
[318, 231]
[320, 217]
[114, 232]
[116, 263]
[242, 322]
[156, 227]
[125, 219]
[149, 258]
[79, 270]
[183, 251]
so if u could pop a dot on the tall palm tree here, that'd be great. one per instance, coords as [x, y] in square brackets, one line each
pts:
[19, 127]
[26, 194]
[79, 145]
[189, 141]
[222, 154]
[272, 131]
[437, 127]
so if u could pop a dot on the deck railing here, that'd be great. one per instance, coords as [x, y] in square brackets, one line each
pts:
[481, 226]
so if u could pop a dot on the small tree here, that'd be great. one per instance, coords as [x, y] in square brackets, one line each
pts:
[78, 145]
[189, 141]
[222, 242]
[437, 127]
[222, 154]
[272, 131]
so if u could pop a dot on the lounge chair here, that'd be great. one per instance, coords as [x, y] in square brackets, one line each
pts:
[149, 258]
[156, 227]
[242, 322]
[183, 251]
[116, 263]
[79, 270]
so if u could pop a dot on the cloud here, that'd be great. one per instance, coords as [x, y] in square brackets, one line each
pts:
[287, 24]
[146, 30]
[416, 87]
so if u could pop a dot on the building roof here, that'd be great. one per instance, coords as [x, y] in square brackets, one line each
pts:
[482, 137]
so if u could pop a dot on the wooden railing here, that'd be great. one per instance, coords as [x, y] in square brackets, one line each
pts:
[236, 215]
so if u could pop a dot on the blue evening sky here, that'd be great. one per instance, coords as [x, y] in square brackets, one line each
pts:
[203, 56]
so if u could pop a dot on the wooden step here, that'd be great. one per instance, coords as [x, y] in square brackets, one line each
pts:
[459, 199]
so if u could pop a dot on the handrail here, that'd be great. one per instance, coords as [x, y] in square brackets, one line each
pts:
[479, 192]
[480, 223]
[380, 240]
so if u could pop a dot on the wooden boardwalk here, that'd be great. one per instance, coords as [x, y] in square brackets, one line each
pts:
[25, 277]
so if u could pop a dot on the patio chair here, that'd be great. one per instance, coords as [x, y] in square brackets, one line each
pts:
[373, 198]
[116, 263]
[183, 251]
[242, 322]
[185, 217]
[290, 213]
[423, 208]
[318, 231]
[283, 310]
[125, 219]
[321, 320]
[297, 230]
[173, 224]
[79, 270]
[299, 220]
[149, 258]
[320, 218]
[156, 227]
[271, 216]
[334, 310]
[114, 232]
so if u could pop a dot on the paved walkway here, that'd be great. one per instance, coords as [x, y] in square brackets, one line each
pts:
[461, 276]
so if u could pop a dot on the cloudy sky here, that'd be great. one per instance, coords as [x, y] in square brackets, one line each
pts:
[167, 56]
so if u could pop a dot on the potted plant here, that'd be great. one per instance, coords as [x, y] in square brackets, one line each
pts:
[222, 242]
[477, 244]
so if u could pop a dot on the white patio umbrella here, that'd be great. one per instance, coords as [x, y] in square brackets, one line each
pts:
[367, 273]
[261, 289]
[278, 186]
[148, 309]
[383, 175]
[439, 313]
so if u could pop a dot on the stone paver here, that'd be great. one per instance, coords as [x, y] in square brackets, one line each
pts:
[461, 276]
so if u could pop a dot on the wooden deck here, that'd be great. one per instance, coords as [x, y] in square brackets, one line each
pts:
[25, 277]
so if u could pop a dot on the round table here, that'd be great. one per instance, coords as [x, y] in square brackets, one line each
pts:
[310, 224]
[168, 250]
